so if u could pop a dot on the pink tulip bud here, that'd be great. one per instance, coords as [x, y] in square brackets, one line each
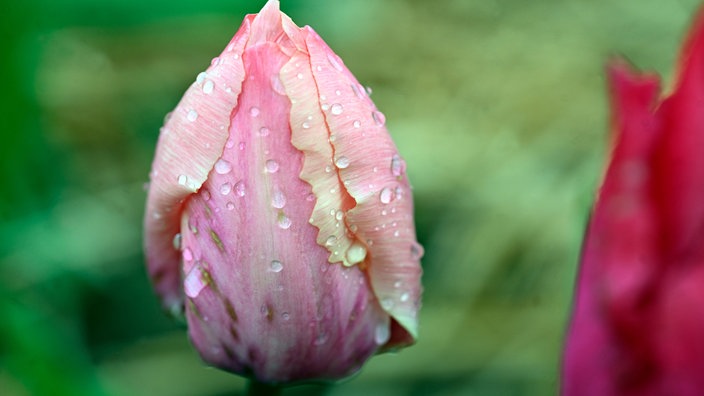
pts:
[279, 211]
[638, 324]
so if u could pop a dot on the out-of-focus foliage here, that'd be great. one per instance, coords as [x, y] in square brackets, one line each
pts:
[498, 106]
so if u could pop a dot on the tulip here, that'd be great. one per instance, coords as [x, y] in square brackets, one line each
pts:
[279, 214]
[638, 324]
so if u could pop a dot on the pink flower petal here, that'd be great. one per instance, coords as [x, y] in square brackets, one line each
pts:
[373, 174]
[190, 143]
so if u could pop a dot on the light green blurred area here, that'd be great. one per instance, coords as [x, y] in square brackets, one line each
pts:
[499, 108]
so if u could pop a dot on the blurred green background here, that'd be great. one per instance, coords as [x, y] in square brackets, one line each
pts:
[499, 107]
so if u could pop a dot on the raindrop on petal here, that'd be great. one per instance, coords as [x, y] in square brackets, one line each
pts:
[271, 166]
[182, 180]
[379, 118]
[336, 109]
[356, 124]
[254, 111]
[386, 195]
[356, 253]
[192, 115]
[278, 199]
[230, 206]
[263, 131]
[342, 162]
[223, 167]
[332, 239]
[177, 241]
[335, 62]
[416, 251]
[225, 188]
[208, 87]
[201, 77]
[239, 188]
[398, 166]
[276, 266]
[284, 222]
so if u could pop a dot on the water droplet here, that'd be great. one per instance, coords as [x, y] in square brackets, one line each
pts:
[387, 303]
[397, 284]
[182, 180]
[276, 266]
[356, 253]
[167, 117]
[379, 118]
[240, 188]
[240, 146]
[319, 68]
[264, 131]
[225, 188]
[206, 195]
[416, 251]
[328, 169]
[342, 162]
[278, 199]
[325, 106]
[285, 316]
[284, 221]
[336, 109]
[208, 87]
[382, 333]
[201, 77]
[254, 111]
[305, 125]
[338, 92]
[369, 90]
[332, 239]
[230, 206]
[271, 166]
[223, 167]
[356, 124]
[399, 192]
[187, 254]
[192, 115]
[299, 76]
[339, 215]
[396, 233]
[230, 143]
[404, 297]
[194, 283]
[335, 62]
[398, 166]
[177, 241]
[310, 197]
[386, 195]
[230, 47]
[215, 61]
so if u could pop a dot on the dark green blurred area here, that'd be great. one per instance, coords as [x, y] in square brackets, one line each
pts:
[499, 108]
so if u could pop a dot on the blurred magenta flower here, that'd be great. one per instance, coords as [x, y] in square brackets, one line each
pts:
[279, 209]
[638, 324]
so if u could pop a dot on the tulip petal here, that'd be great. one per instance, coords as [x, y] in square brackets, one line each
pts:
[617, 269]
[680, 160]
[191, 141]
[354, 189]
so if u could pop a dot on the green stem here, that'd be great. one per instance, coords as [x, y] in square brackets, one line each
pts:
[256, 388]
